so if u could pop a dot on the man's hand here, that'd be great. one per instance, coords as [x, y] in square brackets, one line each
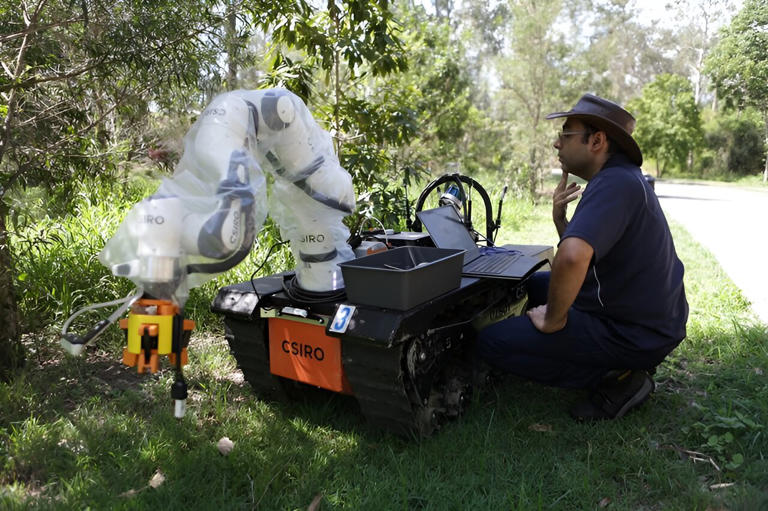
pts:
[563, 194]
[538, 316]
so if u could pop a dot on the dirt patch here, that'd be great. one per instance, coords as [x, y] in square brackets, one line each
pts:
[66, 379]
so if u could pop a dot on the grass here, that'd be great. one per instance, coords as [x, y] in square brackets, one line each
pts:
[88, 433]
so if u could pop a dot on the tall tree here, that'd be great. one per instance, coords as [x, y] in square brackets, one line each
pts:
[699, 21]
[738, 64]
[342, 41]
[532, 72]
[74, 83]
[437, 88]
[621, 55]
[337, 59]
[670, 121]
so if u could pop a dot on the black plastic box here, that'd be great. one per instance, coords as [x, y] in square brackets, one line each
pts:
[403, 277]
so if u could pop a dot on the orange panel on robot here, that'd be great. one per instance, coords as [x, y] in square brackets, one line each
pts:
[302, 352]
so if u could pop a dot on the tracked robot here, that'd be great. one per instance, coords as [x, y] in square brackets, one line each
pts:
[408, 363]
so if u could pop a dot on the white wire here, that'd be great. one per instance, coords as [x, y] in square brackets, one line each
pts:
[594, 270]
[127, 301]
[383, 230]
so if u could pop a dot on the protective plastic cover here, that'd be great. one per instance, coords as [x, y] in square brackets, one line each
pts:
[203, 220]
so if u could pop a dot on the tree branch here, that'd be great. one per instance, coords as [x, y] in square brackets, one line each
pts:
[5, 134]
[7, 70]
[64, 140]
[41, 116]
[25, 84]
[38, 28]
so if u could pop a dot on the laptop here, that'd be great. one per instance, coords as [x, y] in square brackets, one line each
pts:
[447, 230]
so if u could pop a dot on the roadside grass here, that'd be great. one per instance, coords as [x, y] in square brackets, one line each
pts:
[89, 433]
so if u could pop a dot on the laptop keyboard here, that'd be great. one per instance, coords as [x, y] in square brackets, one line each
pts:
[494, 263]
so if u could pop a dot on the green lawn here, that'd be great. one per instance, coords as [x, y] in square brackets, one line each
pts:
[88, 433]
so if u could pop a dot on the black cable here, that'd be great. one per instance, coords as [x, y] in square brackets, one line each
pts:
[293, 290]
[481, 237]
[266, 258]
[300, 295]
[408, 222]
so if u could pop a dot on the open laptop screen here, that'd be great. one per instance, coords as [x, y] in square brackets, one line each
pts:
[446, 228]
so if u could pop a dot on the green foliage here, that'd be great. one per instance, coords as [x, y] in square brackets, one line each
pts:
[532, 75]
[77, 81]
[83, 95]
[617, 46]
[432, 98]
[382, 125]
[726, 435]
[390, 127]
[670, 122]
[733, 144]
[56, 253]
[344, 41]
[336, 52]
[738, 65]
[361, 33]
[84, 84]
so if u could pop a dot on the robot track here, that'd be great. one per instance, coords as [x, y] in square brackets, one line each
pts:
[416, 376]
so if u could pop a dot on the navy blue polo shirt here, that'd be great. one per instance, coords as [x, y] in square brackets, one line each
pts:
[635, 279]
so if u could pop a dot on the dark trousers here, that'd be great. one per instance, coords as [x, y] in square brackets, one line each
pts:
[578, 356]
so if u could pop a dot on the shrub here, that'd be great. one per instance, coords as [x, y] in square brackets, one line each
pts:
[733, 144]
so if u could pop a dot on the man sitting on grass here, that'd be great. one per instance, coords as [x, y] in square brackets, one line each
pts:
[613, 305]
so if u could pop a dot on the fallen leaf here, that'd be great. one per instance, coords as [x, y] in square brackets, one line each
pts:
[720, 486]
[225, 445]
[315, 504]
[540, 427]
[130, 493]
[758, 371]
[605, 502]
[157, 479]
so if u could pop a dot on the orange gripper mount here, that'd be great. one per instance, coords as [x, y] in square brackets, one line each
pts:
[149, 329]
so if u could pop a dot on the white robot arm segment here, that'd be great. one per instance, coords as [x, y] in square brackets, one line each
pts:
[203, 220]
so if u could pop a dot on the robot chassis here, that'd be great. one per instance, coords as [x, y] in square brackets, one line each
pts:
[410, 370]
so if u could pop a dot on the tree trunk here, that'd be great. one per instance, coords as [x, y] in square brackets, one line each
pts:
[765, 170]
[533, 177]
[11, 350]
[232, 46]
[691, 161]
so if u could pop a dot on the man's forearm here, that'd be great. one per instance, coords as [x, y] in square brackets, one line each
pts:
[569, 269]
[560, 224]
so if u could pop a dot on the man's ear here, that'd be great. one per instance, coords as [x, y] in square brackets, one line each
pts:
[599, 139]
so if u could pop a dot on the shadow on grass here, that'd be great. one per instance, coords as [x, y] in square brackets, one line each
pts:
[80, 433]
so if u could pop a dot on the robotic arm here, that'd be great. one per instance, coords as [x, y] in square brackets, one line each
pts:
[203, 220]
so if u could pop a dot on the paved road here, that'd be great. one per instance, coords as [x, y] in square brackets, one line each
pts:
[733, 224]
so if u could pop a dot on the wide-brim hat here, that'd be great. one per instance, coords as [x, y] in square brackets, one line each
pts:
[609, 117]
